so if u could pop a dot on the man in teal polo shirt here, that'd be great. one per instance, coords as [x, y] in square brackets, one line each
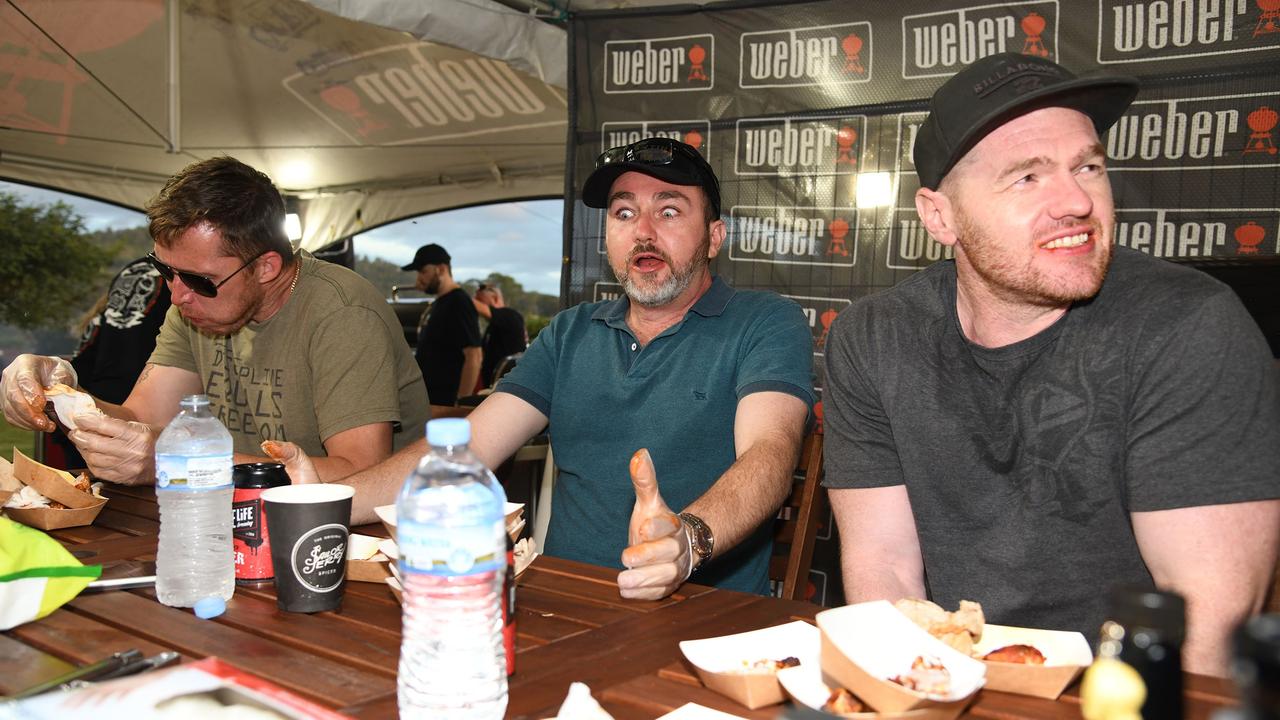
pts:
[713, 381]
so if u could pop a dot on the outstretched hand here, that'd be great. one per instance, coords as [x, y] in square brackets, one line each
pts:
[657, 553]
[297, 465]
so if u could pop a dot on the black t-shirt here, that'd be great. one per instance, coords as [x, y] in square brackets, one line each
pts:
[1023, 463]
[118, 341]
[451, 324]
[504, 336]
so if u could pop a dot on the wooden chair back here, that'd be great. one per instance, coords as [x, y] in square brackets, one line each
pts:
[797, 523]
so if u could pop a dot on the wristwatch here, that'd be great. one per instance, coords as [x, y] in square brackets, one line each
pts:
[701, 541]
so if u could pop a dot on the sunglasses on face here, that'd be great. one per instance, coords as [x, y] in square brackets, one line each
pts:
[199, 284]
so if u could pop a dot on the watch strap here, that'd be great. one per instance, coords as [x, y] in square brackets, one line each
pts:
[701, 540]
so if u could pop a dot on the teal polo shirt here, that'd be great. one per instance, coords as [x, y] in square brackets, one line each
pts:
[606, 397]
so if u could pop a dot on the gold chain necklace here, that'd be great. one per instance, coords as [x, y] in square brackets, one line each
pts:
[296, 273]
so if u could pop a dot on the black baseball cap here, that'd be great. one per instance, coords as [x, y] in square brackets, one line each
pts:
[998, 88]
[431, 254]
[663, 158]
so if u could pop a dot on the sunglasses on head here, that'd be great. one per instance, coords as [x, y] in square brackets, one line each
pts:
[650, 151]
[199, 284]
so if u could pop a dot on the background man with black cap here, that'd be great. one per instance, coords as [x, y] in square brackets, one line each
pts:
[1049, 416]
[714, 382]
[449, 335]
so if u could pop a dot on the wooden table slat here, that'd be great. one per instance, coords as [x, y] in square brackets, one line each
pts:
[317, 678]
[23, 666]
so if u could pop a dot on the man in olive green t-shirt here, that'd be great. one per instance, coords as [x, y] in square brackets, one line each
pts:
[286, 347]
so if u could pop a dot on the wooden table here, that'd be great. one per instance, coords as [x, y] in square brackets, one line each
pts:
[572, 626]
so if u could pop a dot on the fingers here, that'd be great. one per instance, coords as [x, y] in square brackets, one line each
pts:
[651, 582]
[663, 550]
[115, 450]
[297, 465]
[22, 387]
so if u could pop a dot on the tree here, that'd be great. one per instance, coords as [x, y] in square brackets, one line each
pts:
[48, 267]
[383, 274]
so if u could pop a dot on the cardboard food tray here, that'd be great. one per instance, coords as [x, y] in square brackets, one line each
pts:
[719, 661]
[82, 508]
[807, 686]
[514, 518]
[1066, 655]
[53, 484]
[864, 644]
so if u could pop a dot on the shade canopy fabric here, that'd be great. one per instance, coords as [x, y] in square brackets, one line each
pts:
[357, 123]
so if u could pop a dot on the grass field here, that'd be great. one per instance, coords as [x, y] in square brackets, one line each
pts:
[11, 437]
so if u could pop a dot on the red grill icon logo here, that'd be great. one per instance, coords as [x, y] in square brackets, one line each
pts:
[1033, 27]
[1269, 20]
[826, 318]
[346, 101]
[839, 229]
[697, 56]
[852, 47]
[1261, 123]
[693, 139]
[1248, 237]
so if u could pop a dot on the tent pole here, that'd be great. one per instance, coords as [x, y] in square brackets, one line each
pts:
[175, 77]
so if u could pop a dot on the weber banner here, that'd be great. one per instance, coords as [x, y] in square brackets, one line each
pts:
[808, 113]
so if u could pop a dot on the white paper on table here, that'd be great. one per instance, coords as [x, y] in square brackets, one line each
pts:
[694, 711]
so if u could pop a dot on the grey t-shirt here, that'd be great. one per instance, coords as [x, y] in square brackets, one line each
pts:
[1023, 463]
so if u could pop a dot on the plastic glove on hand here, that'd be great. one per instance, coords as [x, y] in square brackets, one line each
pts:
[297, 465]
[658, 549]
[122, 451]
[22, 389]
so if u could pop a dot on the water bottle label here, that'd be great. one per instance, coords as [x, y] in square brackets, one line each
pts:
[451, 551]
[184, 472]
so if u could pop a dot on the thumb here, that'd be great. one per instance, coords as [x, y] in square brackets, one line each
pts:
[649, 502]
[297, 465]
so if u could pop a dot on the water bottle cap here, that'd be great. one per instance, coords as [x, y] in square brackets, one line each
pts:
[210, 607]
[448, 431]
[194, 400]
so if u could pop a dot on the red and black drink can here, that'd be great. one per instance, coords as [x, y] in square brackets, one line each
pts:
[250, 539]
[509, 609]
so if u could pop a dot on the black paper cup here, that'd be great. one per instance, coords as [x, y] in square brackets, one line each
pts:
[309, 527]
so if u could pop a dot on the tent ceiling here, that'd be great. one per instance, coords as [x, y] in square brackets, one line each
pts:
[366, 124]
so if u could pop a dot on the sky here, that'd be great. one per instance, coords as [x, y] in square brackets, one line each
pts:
[521, 239]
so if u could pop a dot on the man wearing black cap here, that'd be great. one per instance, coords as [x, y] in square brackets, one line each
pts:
[449, 336]
[1049, 416]
[714, 382]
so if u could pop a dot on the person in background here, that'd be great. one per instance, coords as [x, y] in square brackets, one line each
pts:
[287, 347]
[448, 349]
[504, 335]
[682, 379]
[118, 338]
[1049, 415]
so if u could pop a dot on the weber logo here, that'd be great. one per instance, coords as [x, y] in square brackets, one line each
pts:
[1208, 232]
[606, 291]
[696, 133]
[396, 95]
[822, 55]
[794, 235]
[942, 43]
[910, 245]
[671, 64]
[1133, 30]
[799, 146]
[820, 312]
[1218, 132]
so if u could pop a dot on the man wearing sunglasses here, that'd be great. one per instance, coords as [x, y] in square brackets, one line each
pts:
[714, 382]
[286, 346]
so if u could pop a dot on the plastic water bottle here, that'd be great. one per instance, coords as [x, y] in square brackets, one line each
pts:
[194, 560]
[452, 538]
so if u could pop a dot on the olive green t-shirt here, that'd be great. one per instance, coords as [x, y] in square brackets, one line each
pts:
[333, 358]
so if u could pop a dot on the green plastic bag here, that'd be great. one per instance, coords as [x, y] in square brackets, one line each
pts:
[37, 574]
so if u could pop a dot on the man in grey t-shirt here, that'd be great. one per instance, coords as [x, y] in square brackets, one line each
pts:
[1049, 416]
